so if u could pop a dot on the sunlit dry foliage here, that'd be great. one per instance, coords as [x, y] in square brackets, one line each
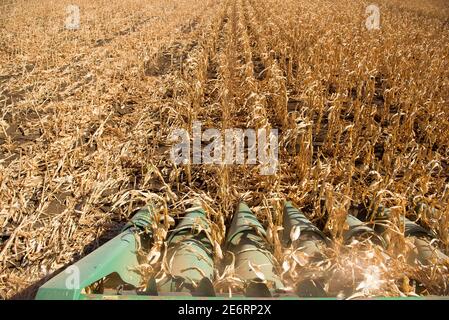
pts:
[85, 119]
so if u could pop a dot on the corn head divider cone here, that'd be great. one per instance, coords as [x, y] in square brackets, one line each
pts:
[117, 258]
[423, 252]
[360, 231]
[254, 263]
[301, 233]
[190, 257]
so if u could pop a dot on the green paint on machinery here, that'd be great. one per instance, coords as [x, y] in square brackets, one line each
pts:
[310, 238]
[254, 263]
[110, 272]
[190, 256]
[359, 230]
[303, 235]
[423, 252]
[116, 257]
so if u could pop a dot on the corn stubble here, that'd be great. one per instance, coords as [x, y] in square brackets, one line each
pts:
[86, 116]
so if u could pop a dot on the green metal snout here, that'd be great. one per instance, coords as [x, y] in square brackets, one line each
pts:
[303, 235]
[359, 230]
[116, 257]
[423, 252]
[254, 263]
[190, 257]
[309, 237]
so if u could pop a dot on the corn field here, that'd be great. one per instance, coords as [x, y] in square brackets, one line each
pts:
[362, 115]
